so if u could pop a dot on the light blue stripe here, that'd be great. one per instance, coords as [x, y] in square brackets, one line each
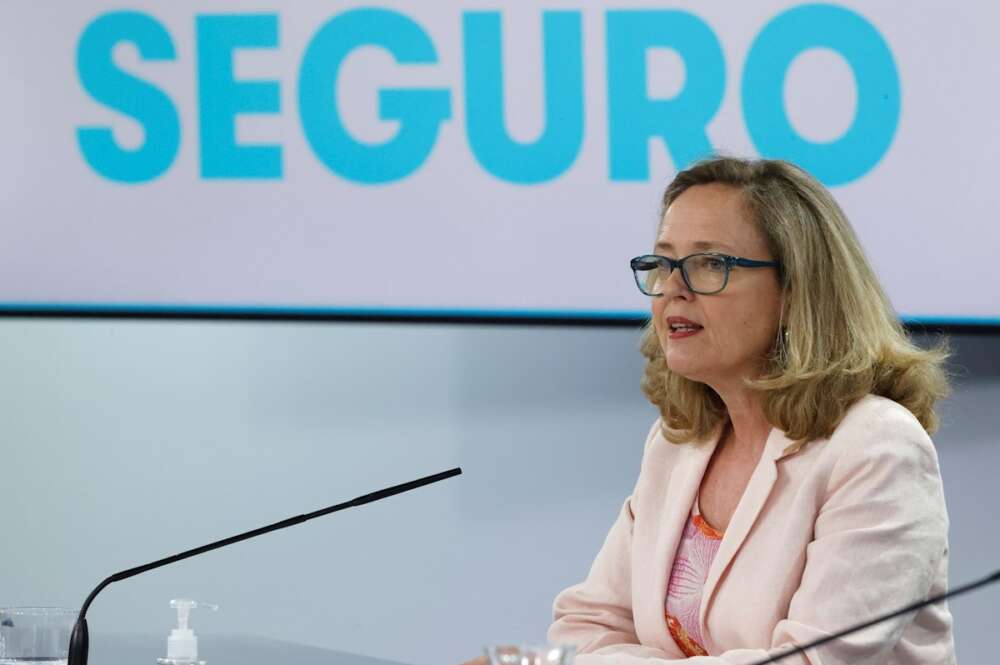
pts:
[406, 312]
[951, 320]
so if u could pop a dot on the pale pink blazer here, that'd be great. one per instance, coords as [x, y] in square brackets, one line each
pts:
[843, 530]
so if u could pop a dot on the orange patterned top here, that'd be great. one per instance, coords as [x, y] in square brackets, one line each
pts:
[698, 546]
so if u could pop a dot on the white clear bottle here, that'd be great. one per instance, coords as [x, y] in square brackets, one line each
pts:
[182, 644]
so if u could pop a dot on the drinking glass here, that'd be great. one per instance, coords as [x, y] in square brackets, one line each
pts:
[35, 635]
[544, 654]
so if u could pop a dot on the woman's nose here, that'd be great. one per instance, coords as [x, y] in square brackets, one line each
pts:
[674, 285]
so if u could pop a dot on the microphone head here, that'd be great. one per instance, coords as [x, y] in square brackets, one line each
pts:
[79, 643]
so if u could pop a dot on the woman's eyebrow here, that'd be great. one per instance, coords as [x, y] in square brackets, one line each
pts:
[700, 244]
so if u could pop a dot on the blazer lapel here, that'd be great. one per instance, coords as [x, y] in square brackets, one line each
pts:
[749, 507]
[685, 478]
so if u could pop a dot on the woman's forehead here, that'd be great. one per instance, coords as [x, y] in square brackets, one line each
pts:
[709, 217]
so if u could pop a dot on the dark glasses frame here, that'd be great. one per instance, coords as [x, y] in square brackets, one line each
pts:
[653, 261]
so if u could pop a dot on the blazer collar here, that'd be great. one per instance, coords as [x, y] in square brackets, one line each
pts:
[681, 486]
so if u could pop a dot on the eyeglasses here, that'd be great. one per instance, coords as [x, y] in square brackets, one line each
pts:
[706, 273]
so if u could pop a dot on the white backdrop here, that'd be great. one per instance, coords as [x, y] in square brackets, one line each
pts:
[244, 162]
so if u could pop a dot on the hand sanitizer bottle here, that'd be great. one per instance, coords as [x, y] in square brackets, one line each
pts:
[182, 645]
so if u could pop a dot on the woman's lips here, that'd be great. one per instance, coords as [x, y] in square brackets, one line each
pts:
[680, 327]
[683, 332]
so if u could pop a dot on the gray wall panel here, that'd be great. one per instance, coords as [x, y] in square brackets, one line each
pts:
[127, 441]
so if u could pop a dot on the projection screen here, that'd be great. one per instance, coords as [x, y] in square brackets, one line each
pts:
[472, 158]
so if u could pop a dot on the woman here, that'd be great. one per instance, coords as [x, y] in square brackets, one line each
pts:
[789, 488]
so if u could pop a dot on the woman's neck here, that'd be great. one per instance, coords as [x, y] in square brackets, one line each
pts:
[748, 429]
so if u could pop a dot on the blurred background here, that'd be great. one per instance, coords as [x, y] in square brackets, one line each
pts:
[257, 261]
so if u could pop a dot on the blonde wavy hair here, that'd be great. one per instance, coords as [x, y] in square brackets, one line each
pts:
[839, 338]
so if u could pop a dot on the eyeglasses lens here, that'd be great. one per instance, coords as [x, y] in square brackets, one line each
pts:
[649, 277]
[705, 273]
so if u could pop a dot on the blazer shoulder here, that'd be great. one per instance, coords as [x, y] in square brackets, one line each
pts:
[874, 417]
[655, 432]
[660, 456]
[877, 429]
[658, 444]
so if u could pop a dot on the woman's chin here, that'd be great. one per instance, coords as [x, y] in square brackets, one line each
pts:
[685, 367]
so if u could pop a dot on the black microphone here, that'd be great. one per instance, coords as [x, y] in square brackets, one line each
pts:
[79, 640]
[989, 579]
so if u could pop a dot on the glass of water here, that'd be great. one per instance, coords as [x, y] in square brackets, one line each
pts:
[35, 635]
[545, 654]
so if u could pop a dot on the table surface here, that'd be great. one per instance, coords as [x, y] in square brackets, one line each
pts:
[132, 649]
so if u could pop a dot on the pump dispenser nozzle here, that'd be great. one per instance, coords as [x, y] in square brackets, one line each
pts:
[182, 645]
